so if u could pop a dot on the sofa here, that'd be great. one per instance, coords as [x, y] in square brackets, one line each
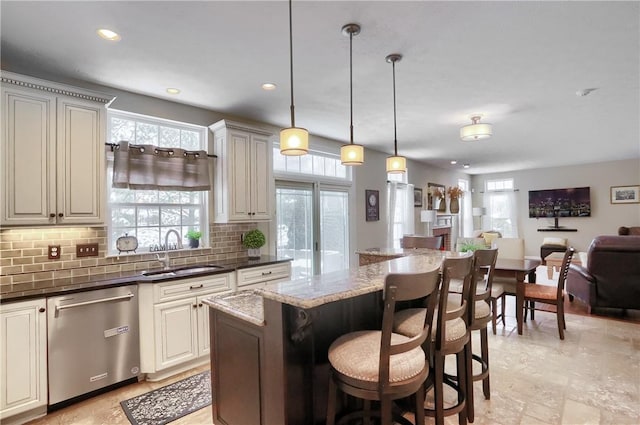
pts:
[624, 230]
[611, 277]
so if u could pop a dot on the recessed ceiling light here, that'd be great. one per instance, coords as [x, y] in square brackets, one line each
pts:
[466, 165]
[268, 86]
[108, 34]
[454, 162]
[172, 90]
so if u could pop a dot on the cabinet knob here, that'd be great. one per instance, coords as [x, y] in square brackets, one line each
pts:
[60, 215]
[42, 310]
[200, 305]
[195, 306]
[52, 215]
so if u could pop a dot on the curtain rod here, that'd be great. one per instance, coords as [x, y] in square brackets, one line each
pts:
[115, 146]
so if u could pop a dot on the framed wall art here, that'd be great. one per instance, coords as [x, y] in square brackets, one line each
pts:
[417, 198]
[372, 205]
[625, 194]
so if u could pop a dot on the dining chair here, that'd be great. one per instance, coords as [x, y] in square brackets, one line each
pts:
[432, 242]
[381, 364]
[549, 295]
[508, 249]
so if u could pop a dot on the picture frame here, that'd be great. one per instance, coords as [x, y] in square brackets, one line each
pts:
[625, 194]
[430, 200]
[372, 205]
[417, 198]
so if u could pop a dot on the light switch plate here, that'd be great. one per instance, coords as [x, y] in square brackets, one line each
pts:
[87, 250]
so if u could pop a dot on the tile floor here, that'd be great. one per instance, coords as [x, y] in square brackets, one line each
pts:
[592, 377]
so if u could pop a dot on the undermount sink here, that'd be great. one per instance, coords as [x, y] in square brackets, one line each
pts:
[182, 271]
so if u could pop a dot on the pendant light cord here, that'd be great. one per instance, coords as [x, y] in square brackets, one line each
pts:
[351, 83]
[395, 137]
[293, 118]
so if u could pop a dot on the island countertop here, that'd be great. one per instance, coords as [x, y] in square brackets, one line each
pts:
[325, 288]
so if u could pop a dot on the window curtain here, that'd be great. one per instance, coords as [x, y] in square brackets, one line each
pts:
[467, 217]
[400, 212]
[502, 212]
[153, 168]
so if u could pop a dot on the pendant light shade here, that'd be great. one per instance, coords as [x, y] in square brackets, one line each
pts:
[351, 154]
[294, 141]
[395, 164]
[476, 130]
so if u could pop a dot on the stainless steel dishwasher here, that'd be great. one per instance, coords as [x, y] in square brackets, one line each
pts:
[92, 342]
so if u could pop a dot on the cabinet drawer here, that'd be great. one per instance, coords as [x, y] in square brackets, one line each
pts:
[253, 275]
[172, 290]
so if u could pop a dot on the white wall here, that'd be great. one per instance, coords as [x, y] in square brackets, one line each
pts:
[372, 175]
[605, 217]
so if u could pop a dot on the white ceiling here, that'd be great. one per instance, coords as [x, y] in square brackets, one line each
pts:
[518, 63]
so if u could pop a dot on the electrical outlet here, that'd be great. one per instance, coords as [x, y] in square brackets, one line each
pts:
[87, 250]
[53, 252]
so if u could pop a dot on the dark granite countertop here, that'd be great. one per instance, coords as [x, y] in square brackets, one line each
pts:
[88, 283]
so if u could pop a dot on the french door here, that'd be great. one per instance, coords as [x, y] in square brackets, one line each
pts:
[312, 227]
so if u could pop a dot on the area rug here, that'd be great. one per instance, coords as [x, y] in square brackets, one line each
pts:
[169, 403]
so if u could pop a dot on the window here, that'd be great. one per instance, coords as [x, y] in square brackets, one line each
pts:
[502, 209]
[316, 164]
[400, 210]
[150, 214]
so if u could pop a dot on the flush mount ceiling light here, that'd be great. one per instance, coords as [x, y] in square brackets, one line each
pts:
[294, 141]
[466, 165]
[476, 130]
[395, 164]
[108, 34]
[172, 90]
[454, 162]
[351, 154]
[268, 86]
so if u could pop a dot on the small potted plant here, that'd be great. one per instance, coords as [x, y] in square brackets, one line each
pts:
[194, 238]
[470, 246]
[253, 240]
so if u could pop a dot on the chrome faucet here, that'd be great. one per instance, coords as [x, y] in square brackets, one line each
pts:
[165, 260]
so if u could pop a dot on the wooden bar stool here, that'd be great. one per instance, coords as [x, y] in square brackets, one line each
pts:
[451, 336]
[478, 317]
[380, 364]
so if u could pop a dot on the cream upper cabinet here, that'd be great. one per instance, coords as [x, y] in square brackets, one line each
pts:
[243, 173]
[23, 352]
[53, 153]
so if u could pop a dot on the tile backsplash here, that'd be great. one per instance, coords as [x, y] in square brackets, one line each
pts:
[24, 263]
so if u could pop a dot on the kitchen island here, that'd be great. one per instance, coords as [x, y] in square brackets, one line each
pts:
[269, 346]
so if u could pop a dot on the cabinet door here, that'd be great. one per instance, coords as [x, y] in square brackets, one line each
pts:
[203, 326]
[176, 329]
[28, 156]
[80, 161]
[261, 178]
[239, 169]
[23, 345]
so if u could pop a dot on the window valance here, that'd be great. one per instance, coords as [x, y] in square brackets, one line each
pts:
[154, 168]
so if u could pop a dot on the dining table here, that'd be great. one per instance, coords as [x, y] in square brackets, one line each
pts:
[519, 270]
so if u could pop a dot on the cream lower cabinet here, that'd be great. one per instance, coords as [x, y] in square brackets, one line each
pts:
[243, 173]
[23, 361]
[257, 277]
[52, 147]
[174, 323]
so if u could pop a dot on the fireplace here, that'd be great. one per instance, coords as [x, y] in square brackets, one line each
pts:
[446, 233]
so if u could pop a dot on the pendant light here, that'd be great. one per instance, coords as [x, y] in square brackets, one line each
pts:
[395, 164]
[351, 154]
[476, 130]
[294, 141]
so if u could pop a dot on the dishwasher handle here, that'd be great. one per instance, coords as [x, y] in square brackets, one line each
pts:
[101, 300]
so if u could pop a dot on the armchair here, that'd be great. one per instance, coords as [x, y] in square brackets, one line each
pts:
[611, 277]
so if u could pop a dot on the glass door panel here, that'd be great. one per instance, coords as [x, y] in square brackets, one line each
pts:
[294, 211]
[334, 230]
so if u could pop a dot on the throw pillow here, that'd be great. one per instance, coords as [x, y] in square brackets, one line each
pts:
[489, 237]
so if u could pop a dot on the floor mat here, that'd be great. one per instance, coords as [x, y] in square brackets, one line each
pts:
[169, 403]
